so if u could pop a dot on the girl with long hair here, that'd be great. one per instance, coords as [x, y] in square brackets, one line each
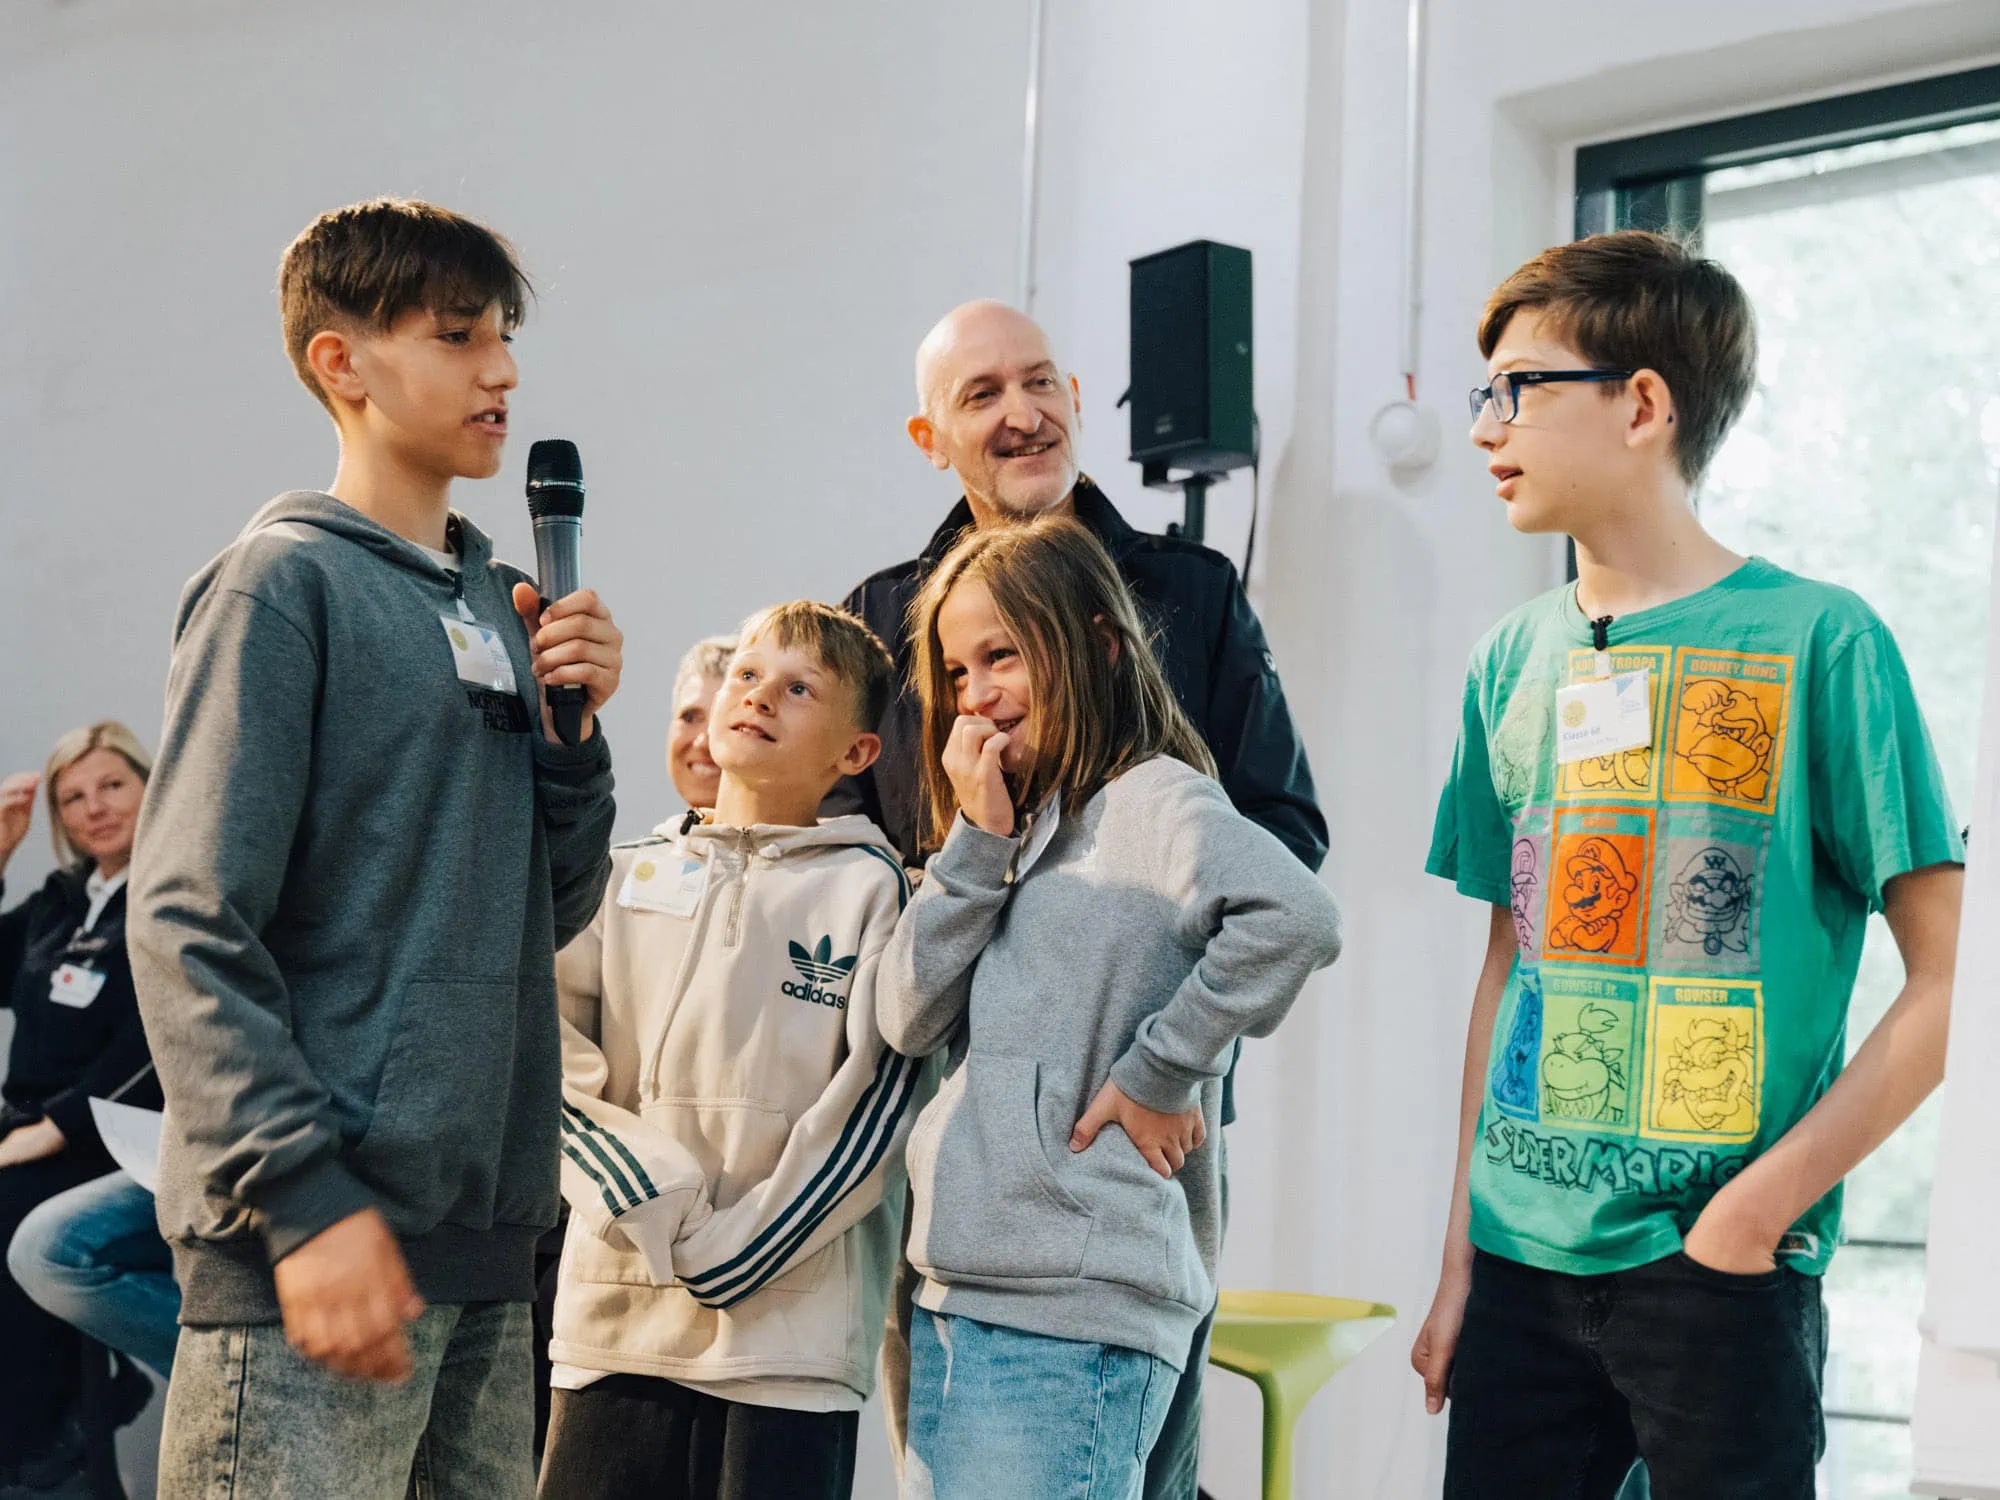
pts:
[1096, 929]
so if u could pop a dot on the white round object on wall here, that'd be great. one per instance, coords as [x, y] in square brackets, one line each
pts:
[1405, 435]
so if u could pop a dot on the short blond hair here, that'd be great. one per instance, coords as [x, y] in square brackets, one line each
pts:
[106, 734]
[842, 643]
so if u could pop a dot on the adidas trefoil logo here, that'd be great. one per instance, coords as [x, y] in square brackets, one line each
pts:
[821, 972]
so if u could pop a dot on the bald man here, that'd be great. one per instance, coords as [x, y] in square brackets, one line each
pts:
[995, 409]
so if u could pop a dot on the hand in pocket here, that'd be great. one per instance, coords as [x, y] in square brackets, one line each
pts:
[1163, 1139]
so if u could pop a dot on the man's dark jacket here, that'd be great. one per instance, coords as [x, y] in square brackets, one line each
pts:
[1208, 640]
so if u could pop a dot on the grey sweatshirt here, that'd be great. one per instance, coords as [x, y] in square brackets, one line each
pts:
[352, 874]
[1155, 928]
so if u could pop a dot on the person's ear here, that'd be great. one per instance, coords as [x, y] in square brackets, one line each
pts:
[1104, 628]
[330, 357]
[1076, 403]
[924, 434]
[1652, 416]
[861, 754]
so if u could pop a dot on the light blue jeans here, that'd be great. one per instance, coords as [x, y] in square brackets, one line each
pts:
[994, 1411]
[93, 1257]
[249, 1418]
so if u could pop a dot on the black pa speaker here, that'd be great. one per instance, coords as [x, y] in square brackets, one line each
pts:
[1191, 388]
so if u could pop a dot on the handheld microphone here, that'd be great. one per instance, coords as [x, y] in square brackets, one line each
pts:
[555, 504]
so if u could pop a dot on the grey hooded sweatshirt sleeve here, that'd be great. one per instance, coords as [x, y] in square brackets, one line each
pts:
[352, 874]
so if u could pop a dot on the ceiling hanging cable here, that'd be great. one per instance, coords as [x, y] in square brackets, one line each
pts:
[1404, 433]
[1031, 155]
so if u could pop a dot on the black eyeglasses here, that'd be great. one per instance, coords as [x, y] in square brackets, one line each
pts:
[1505, 391]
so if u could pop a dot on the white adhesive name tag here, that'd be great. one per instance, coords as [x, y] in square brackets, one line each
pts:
[479, 654]
[75, 987]
[1604, 715]
[673, 885]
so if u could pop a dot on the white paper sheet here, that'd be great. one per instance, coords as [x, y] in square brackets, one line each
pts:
[132, 1136]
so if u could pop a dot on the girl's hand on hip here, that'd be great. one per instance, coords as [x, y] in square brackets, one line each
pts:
[1164, 1140]
[972, 765]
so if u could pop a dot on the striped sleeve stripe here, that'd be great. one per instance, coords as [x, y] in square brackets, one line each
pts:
[585, 1140]
[583, 1165]
[902, 875]
[905, 1090]
[872, 1123]
[647, 1191]
[860, 1120]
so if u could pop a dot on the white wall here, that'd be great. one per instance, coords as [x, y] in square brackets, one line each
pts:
[742, 222]
[740, 218]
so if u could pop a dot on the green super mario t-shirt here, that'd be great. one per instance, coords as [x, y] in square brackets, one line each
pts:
[1690, 913]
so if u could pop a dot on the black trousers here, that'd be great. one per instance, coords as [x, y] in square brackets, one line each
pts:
[633, 1437]
[43, 1367]
[1560, 1381]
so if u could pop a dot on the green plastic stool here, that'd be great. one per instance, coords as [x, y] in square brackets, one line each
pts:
[1291, 1344]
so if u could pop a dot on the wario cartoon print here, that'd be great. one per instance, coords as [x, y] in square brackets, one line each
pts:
[1710, 902]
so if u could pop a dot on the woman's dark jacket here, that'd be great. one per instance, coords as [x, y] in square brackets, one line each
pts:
[64, 1054]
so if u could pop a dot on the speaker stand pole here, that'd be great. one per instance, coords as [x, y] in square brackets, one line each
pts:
[1194, 490]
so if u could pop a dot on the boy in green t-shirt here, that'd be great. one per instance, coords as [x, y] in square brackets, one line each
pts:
[1683, 783]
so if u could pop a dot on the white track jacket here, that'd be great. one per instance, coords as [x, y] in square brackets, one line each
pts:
[733, 1123]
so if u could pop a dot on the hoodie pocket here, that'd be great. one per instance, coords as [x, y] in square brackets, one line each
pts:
[1141, 1236]
[737, 1144]
[996, 1208]
[433, 1147]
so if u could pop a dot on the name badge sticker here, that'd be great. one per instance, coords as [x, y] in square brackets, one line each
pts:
[75, 986]
[1604, 715]
[673, 886]
[479, 654]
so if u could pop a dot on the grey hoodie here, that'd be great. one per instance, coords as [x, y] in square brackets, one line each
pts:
[352, 874]
[1155, 928]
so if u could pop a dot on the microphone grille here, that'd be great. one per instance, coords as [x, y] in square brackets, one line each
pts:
[555, 479]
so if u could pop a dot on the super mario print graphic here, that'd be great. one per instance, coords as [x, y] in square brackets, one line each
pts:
[1729, 712]
[1525, 893]
[1712, 896]
[1705, 1067]
[1589, 1051]
[1599, 885]
[1514, 1065]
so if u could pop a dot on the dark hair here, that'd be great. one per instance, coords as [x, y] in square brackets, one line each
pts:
[840, 642]
[1101, 702]
[1641, 301]
[366, 265]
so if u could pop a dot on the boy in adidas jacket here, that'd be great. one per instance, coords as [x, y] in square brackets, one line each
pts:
[733, 1123]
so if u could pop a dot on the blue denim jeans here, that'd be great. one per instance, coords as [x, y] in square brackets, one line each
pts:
[997, 1411]
[247, 1415]
[93, 1256]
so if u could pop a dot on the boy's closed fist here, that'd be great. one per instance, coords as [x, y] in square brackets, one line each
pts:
[346, 1294]
[573, 641]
